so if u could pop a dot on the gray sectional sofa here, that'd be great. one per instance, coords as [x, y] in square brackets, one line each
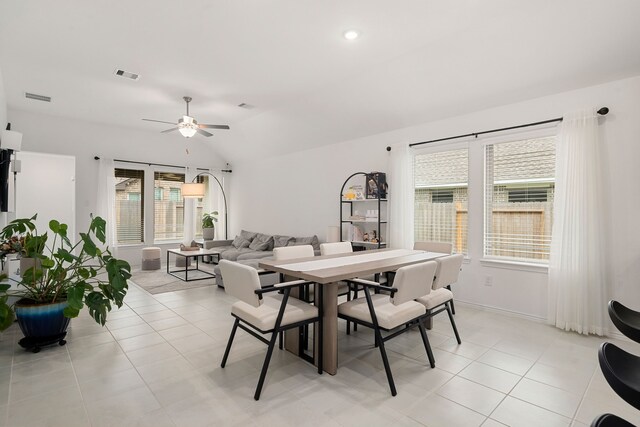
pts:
[249, 247]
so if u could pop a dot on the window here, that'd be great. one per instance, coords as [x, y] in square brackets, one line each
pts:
[519, 186]
[441, 181]
[129, 206]
[169, 209]
[157, 193]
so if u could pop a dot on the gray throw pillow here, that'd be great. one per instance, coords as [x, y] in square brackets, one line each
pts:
[248, 235]
[313, 241]
[262, 242]
[281, 241]
[240, 242]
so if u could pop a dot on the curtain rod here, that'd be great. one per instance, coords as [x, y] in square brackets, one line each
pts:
[161, 164]
[602, 111]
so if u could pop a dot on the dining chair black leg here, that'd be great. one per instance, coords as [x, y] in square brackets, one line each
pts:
[453, 322]
[265, 365]
[385, 362]
[280, 340]
[453, 309]
[233, 334]
[427, 346]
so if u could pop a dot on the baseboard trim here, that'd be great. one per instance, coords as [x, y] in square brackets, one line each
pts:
[610, 334]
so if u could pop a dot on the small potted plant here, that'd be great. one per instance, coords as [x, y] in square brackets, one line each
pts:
[208, 225]
[61, 281]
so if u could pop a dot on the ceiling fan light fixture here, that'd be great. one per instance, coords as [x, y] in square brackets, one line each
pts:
[187, 126]
[351, 34]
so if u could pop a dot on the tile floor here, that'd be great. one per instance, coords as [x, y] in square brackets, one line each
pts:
[157, 363]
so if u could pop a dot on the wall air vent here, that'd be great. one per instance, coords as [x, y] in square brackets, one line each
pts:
[126, 74]
[37, 97]
[246, 106]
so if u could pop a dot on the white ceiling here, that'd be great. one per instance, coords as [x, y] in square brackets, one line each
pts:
[416, 61]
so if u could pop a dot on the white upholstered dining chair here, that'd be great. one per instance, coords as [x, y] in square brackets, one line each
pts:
[344, 288]
[396, 313]
[440, 298]
[259, 314]
[442, 247]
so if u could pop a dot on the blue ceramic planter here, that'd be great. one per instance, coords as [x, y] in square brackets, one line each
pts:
[41, 321]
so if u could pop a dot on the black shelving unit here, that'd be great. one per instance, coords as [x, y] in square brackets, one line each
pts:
[379, 223]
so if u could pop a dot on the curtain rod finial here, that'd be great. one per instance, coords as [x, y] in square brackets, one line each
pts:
[603, 111]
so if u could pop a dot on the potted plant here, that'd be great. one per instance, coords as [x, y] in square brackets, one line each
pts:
[208, 226]
[62, 280]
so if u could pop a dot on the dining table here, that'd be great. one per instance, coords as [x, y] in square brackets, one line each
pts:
[329, 270]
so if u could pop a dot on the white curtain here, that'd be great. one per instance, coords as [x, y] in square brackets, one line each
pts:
[189, 210]
[401, 195]
[577, 288]
[106, 203]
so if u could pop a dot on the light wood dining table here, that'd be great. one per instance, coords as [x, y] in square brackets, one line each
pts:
[328, 270]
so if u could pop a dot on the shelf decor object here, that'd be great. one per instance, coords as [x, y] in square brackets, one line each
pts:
[364, 214]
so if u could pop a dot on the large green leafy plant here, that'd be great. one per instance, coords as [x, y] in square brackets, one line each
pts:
[208, 219]
[83, 274]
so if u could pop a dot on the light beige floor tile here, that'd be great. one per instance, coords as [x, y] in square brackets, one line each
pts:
[435, 410]
[466, 349]
[112, 385]
[491, 377]
[52, 404]
[152, 354]
[471, 395]
[141, 341]
[507, 362]
[132, 331]
[492, 423]
[551, 398]
[515, 412]
[574, 381]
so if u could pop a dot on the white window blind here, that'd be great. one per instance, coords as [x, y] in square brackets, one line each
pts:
[129, 205]
[519, 186]
[441, 181]
[168, 206]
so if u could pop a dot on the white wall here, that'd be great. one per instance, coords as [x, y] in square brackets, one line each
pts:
[298, 193]
[84, 140]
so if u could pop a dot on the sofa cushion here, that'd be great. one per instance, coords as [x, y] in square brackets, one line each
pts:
[281, 241]
[255, 255]
[240, 242]
[249, 235]
[233, 254]
[262, 242]
[313, 241]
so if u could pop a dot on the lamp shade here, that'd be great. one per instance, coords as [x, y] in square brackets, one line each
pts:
[10, 140]
[193, 190]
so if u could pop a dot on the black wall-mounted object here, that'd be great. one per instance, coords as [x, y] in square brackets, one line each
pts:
[5, 165]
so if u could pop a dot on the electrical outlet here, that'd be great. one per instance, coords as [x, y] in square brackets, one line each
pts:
[488, 280]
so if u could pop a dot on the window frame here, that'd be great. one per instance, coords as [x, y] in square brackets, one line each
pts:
[514, 136]
[142, 200]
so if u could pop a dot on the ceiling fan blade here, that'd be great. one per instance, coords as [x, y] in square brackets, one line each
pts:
[204, 132]
[159, 121]
[169, 130]
[214, 127]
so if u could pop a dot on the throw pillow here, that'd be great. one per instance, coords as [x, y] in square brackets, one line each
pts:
[262, 242]
[248, 235]
[313, 241]
[240, 242]
[281, 241]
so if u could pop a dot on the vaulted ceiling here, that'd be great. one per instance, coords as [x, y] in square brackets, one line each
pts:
[415, 61]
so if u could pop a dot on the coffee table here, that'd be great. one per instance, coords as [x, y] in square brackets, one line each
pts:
[196, 273]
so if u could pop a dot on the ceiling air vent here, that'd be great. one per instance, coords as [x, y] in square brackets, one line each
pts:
[37, 97]
[127, 74]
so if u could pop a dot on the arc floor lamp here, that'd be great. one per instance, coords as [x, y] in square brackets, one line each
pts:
[197, 190]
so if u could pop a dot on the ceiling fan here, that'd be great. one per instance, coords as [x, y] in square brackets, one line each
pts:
[187, 125]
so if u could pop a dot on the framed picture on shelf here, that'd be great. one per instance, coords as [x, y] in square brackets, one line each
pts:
[379, 190]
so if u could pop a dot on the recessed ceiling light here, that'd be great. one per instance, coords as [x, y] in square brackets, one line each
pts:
[351, 34]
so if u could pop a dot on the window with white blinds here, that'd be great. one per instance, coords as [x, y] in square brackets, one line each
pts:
[519, 187]
[129, 206]
[168, 206]
[441, 181]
